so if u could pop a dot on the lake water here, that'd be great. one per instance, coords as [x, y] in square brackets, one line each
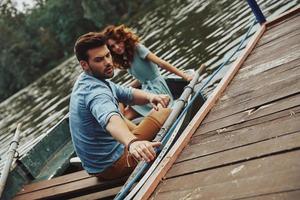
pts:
[186, 33]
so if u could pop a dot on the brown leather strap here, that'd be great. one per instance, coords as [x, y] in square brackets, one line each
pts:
[132, 141]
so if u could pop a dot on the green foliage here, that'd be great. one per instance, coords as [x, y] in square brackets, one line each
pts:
[37, 40]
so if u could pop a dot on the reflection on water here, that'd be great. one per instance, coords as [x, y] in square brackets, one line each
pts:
[186, 33]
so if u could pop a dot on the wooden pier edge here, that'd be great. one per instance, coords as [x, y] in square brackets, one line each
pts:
[283, 16]
[183, 140]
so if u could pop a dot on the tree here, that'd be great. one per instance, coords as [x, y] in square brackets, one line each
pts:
[37, 40]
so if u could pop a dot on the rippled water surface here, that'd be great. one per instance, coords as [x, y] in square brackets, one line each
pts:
[184, 32]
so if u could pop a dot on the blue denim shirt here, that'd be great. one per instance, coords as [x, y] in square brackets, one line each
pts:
[92, 104]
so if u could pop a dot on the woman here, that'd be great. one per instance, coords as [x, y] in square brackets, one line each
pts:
[129, 54]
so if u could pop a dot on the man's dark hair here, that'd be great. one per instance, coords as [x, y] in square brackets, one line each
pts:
[86, 42]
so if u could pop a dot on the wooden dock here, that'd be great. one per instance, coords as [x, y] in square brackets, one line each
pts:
[244, 143]
[248, 145]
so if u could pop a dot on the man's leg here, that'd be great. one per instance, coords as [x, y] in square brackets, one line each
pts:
[151, 124]
[130, 124]
[146, 130]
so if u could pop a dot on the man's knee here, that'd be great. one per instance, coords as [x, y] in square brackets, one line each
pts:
[152, 123]
[160, 115]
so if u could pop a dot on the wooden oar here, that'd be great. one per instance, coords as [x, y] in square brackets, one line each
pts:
[167, 143]
[169, 122]
[10, 156]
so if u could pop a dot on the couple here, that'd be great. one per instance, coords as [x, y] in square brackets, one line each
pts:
[108, 144]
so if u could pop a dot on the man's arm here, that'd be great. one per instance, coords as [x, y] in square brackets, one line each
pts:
[142, 150]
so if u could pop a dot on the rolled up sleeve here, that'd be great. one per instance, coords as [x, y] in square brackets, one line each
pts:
[102, 107]
[124, 94]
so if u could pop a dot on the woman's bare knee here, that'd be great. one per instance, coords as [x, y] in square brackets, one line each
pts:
[129, 113]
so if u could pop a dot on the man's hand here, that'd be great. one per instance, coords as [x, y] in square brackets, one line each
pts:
[143, 150]
[156, 99]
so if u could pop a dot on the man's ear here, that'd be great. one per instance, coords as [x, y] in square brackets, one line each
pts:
[84, 65]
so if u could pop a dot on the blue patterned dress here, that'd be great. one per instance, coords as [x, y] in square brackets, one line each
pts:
[147, 73]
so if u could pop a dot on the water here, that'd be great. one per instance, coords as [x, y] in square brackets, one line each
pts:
[186, 33]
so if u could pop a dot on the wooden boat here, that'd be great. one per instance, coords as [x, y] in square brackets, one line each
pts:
[51, 158]
[249, 147]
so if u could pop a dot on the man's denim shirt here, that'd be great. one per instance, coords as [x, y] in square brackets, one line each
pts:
[92, 104]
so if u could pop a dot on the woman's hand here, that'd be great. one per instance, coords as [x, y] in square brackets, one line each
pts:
[188, 77]
[143, 150]
[156, 99]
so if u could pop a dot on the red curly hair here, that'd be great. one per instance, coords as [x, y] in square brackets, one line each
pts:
[122, 34]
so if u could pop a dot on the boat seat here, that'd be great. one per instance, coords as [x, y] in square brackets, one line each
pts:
[69, 186]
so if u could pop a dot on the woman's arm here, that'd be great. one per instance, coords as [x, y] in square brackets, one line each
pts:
[141, 97]
[167, 66]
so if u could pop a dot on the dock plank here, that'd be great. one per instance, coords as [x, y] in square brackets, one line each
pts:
[276, 32]
[257, 150]
[251, 80]
[252, 99]
[76, 176]
[225, 105]
[106, 194]
[218, 142]
[281, 44]
[288, 195]
[239, 189]
[284, 162]
[277, 109]
[248, 145]
[274, 63]
[71, 189]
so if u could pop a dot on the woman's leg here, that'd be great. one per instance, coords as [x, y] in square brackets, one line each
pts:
[130, 114]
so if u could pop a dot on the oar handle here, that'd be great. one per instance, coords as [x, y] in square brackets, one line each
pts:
[202, 68]
[10, 156]
[179, 104]
[142, 165]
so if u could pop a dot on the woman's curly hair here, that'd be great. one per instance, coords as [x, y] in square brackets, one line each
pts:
[122, 34]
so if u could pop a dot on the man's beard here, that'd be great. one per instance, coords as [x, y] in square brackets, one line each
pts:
[101, 76]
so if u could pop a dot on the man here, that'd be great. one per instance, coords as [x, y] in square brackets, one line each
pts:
[106, 143]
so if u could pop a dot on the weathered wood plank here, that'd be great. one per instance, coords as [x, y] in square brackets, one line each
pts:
[251, 168]
[240, 119]
[71, 189]
[247, 122]
[281, 62]
[284, 17]
[251, 100]
[270, 55]
[181, 142]
[257, 70]
[253, 78]
[238, 92]
[55, 181]
[276, 42]
[256, 150]
[272, 50]
[236, 189]
[106, 194]
[222, 141]
[289, 195]
[259, 90]
[277, 31]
